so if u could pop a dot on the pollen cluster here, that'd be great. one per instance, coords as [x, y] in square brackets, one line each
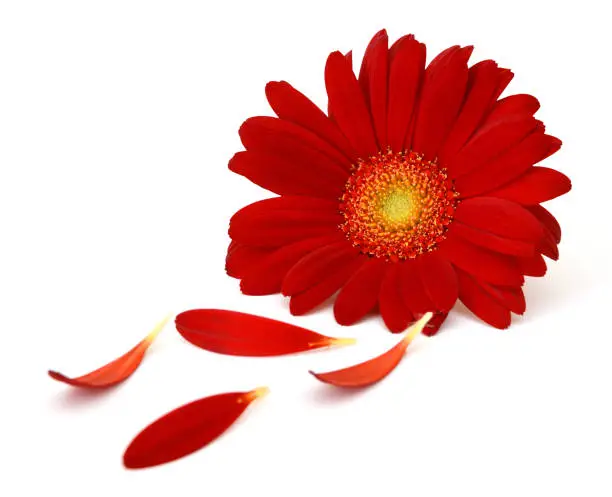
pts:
[397, 205]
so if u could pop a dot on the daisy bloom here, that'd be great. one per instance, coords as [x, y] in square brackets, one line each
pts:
[417, 188]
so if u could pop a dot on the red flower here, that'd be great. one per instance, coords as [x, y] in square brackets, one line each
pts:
[417, 189]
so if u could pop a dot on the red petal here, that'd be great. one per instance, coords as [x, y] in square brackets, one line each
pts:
[267, 275]
[514, 105]
[537, 185]
[242, 258]
[291, 105]
[393, 309]
[500, 217]
[510, 165]
[313, 268]
[532, 266]
[481, 303]
[483, 264]
[116, 371]
[483, 80]
[304, 302]
[405, 74]
[439, 280]
[505, 77]
[360, 294]
[548, 246]
[493, 242]
[349, 108]
[489, 142]
[413, 289]
[240, 334]
[511, 298]
[444, 86]
[435, 323]
[373, 81]
[282, 220]
[288, 177]
[187, 429]
[291, 142]
[372, 371]
[547, 219]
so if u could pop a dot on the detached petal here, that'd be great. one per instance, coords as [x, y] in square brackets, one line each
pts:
[187, 429]
[116, 371]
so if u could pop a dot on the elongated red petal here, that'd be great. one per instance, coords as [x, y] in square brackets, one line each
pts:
[307, 300]
[499, 269]
[240, 334]
[187, 429]
[509, 165]
[349, 107]
[500, 217]
[360, 294]
[373, 370]
[444, 86]
[116, 371]
[373, 80]
[547, 219]
[514, 105]
[266, 275]
[241, 258]
[285, 176]
[393, 309]
[478, 300]
[439, 280]
[290, 141]
[292, 105]
[491, 141]
[483, 80]
[537, 185]
[406, 67]
[493, 242]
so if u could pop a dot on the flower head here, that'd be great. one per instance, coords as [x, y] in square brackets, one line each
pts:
[417, 188]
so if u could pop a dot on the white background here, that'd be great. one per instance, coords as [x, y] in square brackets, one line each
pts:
[117, 120]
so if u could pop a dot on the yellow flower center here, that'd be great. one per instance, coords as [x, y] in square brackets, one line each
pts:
[397, 206]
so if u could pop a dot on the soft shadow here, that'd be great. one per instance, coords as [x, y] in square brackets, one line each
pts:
[570, 277]
[75, 398]
[328, 394]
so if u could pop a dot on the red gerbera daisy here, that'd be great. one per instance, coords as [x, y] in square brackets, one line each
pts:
[416, 189]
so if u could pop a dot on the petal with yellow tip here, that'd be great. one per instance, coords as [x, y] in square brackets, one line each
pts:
[374, 370]
[116, 371]
[239, 334]
[188, 428]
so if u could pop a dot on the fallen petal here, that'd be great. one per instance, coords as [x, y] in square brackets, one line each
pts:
[187, 429]
[373, 370]
[116, 371]
[240, 334]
